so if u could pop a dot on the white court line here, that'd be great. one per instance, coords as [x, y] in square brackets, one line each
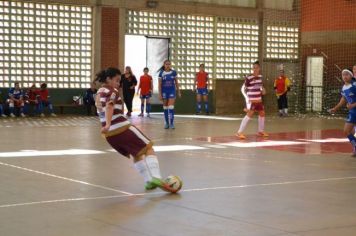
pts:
[35, 153]
[183, 190]
[203, 117]
[327, 140]
[171, 148]
[64, 178]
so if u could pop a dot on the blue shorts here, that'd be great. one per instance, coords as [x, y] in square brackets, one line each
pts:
[168, 94]
[147, 96]
[351, 118]
[202, 91]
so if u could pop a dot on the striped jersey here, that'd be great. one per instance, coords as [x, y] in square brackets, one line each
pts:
[106, 96]
[254, 85]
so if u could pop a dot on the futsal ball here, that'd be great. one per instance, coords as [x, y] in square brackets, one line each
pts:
[174, 182]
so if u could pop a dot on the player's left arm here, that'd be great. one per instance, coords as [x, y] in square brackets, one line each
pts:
[351, 105]
[288, 84]
[207, 81]
[177, 86]
[151, 89]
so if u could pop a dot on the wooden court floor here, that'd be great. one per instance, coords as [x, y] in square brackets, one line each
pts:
[59, 177]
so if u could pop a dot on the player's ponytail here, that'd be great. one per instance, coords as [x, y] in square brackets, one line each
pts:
[104, 74]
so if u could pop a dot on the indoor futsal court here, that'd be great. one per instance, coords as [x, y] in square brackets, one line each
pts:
[238, 117]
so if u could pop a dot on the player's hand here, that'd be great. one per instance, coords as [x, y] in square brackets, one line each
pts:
[263, 91]
[105, 129]
[160, 98]
[332, 110]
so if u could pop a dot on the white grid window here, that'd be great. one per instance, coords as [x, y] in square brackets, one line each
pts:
[282, 42]
[45, 43]
[237, 47]
[192, 39]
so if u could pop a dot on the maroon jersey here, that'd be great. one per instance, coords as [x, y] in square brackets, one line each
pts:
[108, 95]
[254, 85]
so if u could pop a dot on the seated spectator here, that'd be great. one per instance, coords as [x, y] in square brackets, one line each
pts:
[89, 99]
[32, 98]
[2, 107]
[16, 100]
[44, 100]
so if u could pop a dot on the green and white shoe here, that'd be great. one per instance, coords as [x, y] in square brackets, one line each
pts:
[161, 184]
[150, 186]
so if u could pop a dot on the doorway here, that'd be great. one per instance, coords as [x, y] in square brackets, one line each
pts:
[314, 84]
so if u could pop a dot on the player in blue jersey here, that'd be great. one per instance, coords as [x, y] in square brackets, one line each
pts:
[349, 98]
[16, 99]
[168, 87]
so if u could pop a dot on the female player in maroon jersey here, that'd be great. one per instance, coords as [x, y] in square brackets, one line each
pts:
[121, 135]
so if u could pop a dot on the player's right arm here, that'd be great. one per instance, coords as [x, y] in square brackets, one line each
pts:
[109, 111]
[341, 103]
[195, 82]
[139, 86]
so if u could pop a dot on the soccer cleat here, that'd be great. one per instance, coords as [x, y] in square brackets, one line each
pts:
[166, 126]
[148, 115]
[22, 115]
[262, 134]
[3, 115]
[12, 115]
[240, 136]
[54, 115]
[162, 185]
[149, 186]
[172, 126]
[42, 115]
[141, 115]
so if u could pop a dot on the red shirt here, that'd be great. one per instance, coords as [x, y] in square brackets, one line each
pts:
[281, 85]
[32, 94]
[43, 94]
[202, 79]
[145, 84]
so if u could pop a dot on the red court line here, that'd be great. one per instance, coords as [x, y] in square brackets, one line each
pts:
[308, 148]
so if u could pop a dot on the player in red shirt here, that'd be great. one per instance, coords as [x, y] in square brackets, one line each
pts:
[44, 100]
[202, 82]
[282, 87]
[125, 138]
[32, 97]
[145, 89]
[254, 90]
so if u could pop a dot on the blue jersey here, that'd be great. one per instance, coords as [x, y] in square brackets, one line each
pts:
[17, 94]
[349, 93]
[168, 80]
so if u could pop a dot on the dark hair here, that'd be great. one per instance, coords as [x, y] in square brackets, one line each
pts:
[162, 67]
[43, 86]
[146, 68]
[202, 65]
[109, 72]
[256, 63]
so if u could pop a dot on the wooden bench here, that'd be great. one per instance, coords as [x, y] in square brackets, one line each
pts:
[62, 106]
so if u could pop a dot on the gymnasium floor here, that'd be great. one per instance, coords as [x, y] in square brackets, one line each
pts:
[59, 177]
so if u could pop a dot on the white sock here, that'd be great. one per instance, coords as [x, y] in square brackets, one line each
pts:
[261, 123]
[244, 123]
[286, 110]
[153, 166]
[142, 168]
[281, 111]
